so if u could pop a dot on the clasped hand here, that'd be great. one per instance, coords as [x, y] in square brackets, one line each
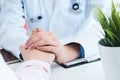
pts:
[46, 42]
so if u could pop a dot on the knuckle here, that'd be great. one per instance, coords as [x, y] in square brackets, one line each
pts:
[52, 49]
[46, 41]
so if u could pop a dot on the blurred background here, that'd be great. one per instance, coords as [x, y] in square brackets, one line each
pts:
[1, 2]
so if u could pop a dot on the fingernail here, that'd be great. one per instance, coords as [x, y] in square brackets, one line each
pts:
[37, 30]
[32, 47]
[26, 47]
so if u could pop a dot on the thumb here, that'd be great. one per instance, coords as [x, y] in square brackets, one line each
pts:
[22, 49]
[33, 32]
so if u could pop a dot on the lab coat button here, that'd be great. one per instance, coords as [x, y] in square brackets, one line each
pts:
[23, 7]
[39, 17]
[75, 6]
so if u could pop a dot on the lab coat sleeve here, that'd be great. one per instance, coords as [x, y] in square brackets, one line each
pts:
[12, 32]
[5, 72]
[33, 70]
[89, 36]
[29, 70]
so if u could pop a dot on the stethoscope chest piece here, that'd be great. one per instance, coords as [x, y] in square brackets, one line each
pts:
[77, 6]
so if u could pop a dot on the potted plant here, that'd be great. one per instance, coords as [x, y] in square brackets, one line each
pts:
[109, 46]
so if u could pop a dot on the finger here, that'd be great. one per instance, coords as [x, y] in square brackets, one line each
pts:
[33, 32]
[43, 43]
[53, 36]
[37, 37]
[51, 49]
[22, 49]
[38, 30]
[32, 40]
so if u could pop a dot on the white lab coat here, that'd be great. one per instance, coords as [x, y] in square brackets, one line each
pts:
[1, 2]
[57, 16]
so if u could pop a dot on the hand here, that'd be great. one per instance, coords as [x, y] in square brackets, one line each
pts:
[36, 55]
[48, 42]
[41, 38]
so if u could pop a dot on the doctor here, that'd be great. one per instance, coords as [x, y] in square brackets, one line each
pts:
[70, 21]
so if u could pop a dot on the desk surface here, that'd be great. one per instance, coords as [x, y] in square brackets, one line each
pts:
[91, 71]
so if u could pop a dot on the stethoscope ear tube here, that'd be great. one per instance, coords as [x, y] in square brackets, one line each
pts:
[27, 9]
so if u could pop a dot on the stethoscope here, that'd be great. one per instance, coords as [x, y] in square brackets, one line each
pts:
[77, 7]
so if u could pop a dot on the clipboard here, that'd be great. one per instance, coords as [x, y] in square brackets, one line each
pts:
[9, 57]
[81, 61]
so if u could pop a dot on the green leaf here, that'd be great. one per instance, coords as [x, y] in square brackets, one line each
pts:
[110, 25]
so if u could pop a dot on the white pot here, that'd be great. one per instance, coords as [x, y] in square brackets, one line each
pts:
[110, 57]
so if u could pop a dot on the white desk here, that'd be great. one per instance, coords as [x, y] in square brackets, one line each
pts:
[91, 71]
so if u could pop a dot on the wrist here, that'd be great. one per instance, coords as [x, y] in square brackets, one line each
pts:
[39, 55]
[69, 53]
[59, 56]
